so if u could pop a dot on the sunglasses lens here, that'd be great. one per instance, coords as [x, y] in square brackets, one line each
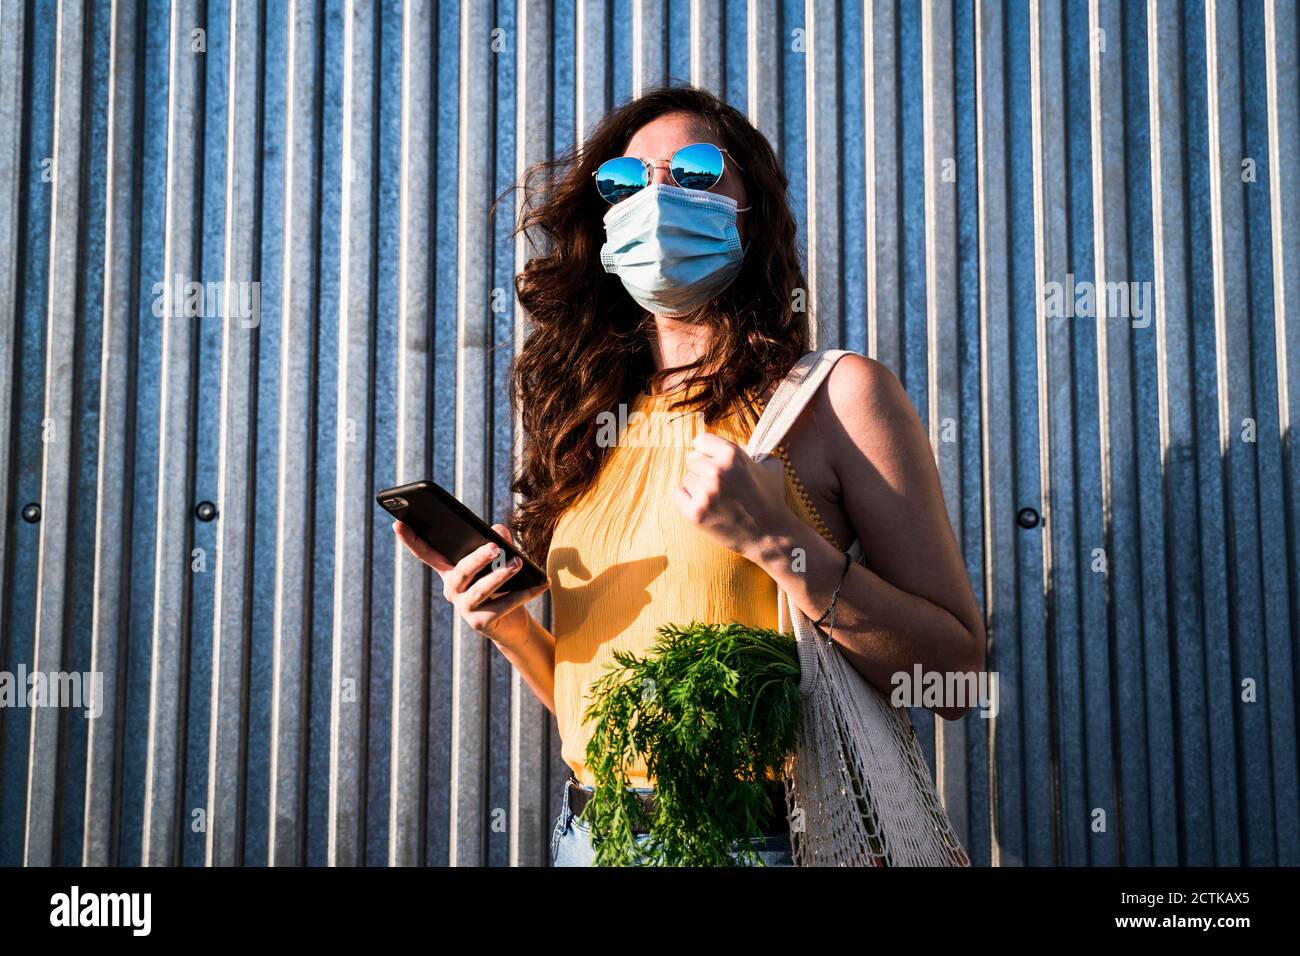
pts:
[698, 166]
[618, 178]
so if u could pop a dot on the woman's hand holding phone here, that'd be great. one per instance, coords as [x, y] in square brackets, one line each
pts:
[503, 619]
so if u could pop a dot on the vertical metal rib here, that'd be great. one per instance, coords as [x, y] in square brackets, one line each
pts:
[649, 46]
[1177, 408]
[297, 425]
[943, 336]
[469, 709]
[1236, 405]
[353, 500]
[998, 436]
[530, 722]
[1117, 432]
[1282, 65]
[236, 465]
[1056, 427]
[411, 580]
[174, 532]
[707, 44]
[53, 581]
[765, 46]
[823, 177]
[12, 32]
[1157, 679]
[592, 65]
[116, 421]
[880, 102]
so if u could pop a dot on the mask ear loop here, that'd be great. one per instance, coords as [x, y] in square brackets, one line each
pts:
[748, 244]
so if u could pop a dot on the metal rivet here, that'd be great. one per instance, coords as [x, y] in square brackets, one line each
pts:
[1027, 518]
[32, 513]
[205, 511]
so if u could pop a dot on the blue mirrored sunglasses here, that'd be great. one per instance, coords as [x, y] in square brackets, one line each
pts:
[697, 166]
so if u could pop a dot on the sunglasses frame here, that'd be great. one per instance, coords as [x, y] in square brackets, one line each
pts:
[652, 164]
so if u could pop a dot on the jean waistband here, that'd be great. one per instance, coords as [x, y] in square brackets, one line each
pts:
[777, 822]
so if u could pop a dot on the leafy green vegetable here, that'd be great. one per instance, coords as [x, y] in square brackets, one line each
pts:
[713, 711]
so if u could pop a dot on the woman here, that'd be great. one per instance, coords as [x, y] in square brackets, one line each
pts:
[670, 289]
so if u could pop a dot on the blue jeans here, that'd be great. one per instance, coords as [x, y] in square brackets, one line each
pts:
[571, 840]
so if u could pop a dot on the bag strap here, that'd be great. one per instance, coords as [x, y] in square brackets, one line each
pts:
[791, 397]
[788, 402]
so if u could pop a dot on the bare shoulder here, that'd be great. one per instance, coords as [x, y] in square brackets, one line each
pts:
[867, 400]
[857, 385]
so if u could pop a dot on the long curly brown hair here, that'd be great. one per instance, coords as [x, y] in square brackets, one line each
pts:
[588, 348]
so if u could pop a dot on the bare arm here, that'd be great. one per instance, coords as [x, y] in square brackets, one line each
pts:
[532, 654]
[913, 603]
[505, 620]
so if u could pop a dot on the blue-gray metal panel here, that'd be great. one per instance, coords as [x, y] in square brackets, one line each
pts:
[1055, 409]
[791, 140]
[593, 82]
[85, 438]
[1033, 687]
[213, 181]
[764, 44]
[1158, 739]
[706, 45]
[1282, 62]
[155, 38]
[1174, 343]
[240, 319]
[679, 41]
[998, 431]
[1235, 388]
[470, 700]
[620, 62]
[1219, 688]
[411, 579]
[502, 679]
[62, 315]
[533, 792]
[1120, 567]
[295, 426]
[1095, 787]
[353, 486]
[853, 186]
[913, 364]
[976, 729]
[1278, 635]
[444, 418]
[822, 98]
[735, 60]
[943, 335]
[112, 525]
[12, 42]
[173, 532]
[649, 43]
[327, 435]
[383, 387]
[264, 532]
[880, 157]
[499, 437]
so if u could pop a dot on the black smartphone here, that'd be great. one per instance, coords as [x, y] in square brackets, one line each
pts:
[454, 530]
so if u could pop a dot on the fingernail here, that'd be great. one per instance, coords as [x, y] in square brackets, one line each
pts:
[516, 563]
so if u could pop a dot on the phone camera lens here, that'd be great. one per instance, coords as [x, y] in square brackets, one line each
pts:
[394, 504]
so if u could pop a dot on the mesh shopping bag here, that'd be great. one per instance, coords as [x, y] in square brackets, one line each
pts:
[858, 790]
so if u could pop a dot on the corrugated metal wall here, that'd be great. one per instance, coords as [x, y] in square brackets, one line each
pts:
[282, 685]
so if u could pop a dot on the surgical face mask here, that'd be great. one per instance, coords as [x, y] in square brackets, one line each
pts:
[674, 249]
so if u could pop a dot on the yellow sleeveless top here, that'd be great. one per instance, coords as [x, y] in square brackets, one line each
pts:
[623, 560]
